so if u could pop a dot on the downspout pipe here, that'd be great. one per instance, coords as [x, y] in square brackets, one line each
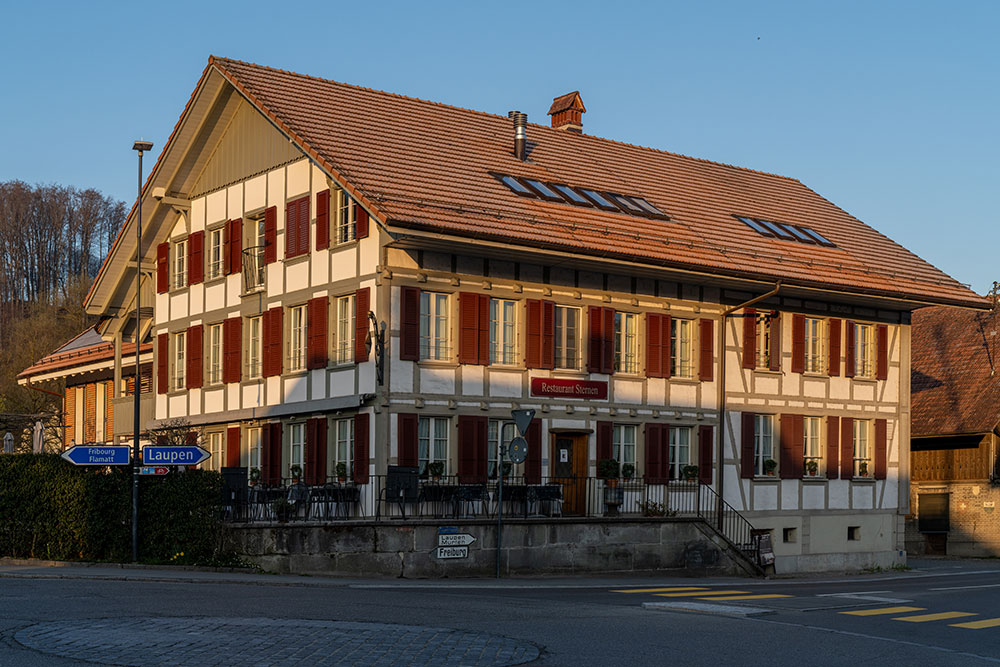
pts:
[720, 435]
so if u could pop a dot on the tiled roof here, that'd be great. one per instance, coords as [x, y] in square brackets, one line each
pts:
[425, 165]
[72, 354]
[955, 376]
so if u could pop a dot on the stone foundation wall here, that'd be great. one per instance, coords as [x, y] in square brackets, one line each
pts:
[974, 518]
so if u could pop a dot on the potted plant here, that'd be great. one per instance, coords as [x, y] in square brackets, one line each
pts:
[863, 469]
[296, 472]
[507, 467]
[341, 470]
[254, 476]
[608, 469]
[690, 472]
[435, 469]
[812, 467]
[628, 472]
[282, 509]
[770, 465]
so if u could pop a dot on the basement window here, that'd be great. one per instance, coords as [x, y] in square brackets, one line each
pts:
[788, 535]
[854, 533]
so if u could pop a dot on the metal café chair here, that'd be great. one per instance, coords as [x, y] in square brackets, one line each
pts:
[402, 488]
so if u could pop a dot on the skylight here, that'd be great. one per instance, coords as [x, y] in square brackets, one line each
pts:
[599, 199]
[571, 194]
[515, 185]
[543, 189]
[580, 196]
[785, 231]
[649, 208]
[626, 203]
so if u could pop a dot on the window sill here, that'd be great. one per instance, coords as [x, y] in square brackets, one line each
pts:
[566, 371]
[865, 380]
[297, 258]
[684, 380]
[252, 292]
[215, 279]
[340, 365]
[863, 480]
[766, 478]
[434, 363]
[633, 375]
[345, 244]
[815, 479]
[174, 391]
[767, 371]
[176, 290]
[815, 374]
[298, 372]
[252, 381]
[505, 367]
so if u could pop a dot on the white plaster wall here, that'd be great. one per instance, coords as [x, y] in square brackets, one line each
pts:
[472, 380]
[317, 383]
[505, 384]
[215, 206]
[295, 389]
[839, 490]
[273, 393]
[298, 179]
[765, 497]
[178, 305]
[194, 402]
[813, 497]
[177, 406]
[215, 399]
[683, 395]
[344, 263]
[863, 496]
[628, 391]
[342, 382]
[437, 380]
[790, 493]
[253, 395]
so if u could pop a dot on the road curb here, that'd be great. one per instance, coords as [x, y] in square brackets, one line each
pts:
[704, 608]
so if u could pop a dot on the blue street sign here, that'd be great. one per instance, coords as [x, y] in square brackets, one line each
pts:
[98, 455]
[186, 455]
[447, 530]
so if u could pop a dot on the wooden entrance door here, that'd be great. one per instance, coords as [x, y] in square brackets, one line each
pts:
[569, 468]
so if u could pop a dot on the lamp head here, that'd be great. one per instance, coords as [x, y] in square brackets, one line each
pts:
[142, 146]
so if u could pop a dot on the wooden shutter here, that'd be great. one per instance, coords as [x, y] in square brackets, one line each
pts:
[832, 447]
[323, 220]
[846, 448]
[406, 440]
[798, 343]
[317, 348]
[602, 340]
[705, 446]
[196, 258]
[775, 341]
[162, 356]
[316, 438]
[474, 328]
[834, 362]
[90, 413]
[595, 328]
[548, 338]
[360, 221]
[227, 231]
[605, 433]
[533, 333]
[786, 463]
[272, 342]
[409, 325]
[271, 455]
[291, 229]
[362, 304]
[655, 352]
[533, 462]
[608, 356]
[881, 449]
[233, 447]
[232, 343]
[849, 348]
[750, 338]
[361, 448]
[271, 234]
[882, 353]
[472, 449]
[656, 463]
[706, 357]
[235, 246]
[747, 446]
[194, 357]
[162, 268]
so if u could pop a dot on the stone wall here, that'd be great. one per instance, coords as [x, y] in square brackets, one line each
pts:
[974, 522]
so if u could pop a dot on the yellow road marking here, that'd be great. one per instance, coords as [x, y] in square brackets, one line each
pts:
[923, 618]
[660, 590]
[883, 610]
[748, 597]
[700, 593]
[976, 625]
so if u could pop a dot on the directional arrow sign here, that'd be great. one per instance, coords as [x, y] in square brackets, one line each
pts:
[458, 540]
[94, 455]
[522, 419]
[187, 455]
[452, 552]
[150, 470]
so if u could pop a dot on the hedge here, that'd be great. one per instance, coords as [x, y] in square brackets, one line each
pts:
[54, 510]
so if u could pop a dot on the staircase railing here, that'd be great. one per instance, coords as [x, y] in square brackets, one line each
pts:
[732, 525]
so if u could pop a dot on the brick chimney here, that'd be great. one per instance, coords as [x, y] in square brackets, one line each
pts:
[567, 112]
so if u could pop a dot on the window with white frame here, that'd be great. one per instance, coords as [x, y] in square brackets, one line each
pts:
[343, 447]
[215, 250]
[254, 347]
[177, 361]
[296, 446]
[764, 329]
[863, 463]
[78, 422]
[296, 338]
[812, 446]
[681, 346]
[215, 448]
[623, 444]
[254, 447]
[434, 326]
[215, 353]
[178, 265]
[498, 429]
[626, 342]
[503, 331]
[255, 231]
[432, 442]
[814, 345]
[763, 445]
[344, 212]
[680, 450]
[864, 350]
[567, 332]
[343, 332]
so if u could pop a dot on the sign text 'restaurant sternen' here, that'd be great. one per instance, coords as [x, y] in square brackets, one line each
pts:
[593, 389]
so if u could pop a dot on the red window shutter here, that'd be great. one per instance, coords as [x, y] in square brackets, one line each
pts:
[798, 446]
[656, 464]
[360, 222]
[162, 355]
[318, 311]
[548, 335]
[409, 325]
[362, 304]
[316, 465]
[533, 463]
[473, 323]
[303, 234]
[666, 364]
[605, 433]
[291, 229]
[882, 352]
[786, 461]
[747, 446]
[881, 449]
[194, 357]
[233, 447]
[595, 347]
[834, 362]
[361, 448]
[162, 268]
[654, 348]
[484, 329]
[232, 343]
[775, 341]
[265, 455]
[309, 455]
[832, 447]
[270, 234]
[533, 329]
[235, 246]
[323, 220]
[272, 342]
[196, 255]
[846, 448]
[798, 343]
[706, 359]
[406, 440]
[705, 446]
[849, 349]
[750, 338]
[271, 454]
[608, 351]
[468, 449]
[227, 231]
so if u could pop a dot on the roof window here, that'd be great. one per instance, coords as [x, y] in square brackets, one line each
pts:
[572, 195]
[580, 196]
[515, 185]
[599, 199]
[543, 189]
[785, 231]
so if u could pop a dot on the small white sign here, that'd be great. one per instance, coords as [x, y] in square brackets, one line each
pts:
[563, 456]
[458, 540]
[452, 552]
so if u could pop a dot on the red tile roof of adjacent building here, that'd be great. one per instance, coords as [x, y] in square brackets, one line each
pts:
[81, 350]
[955, 376]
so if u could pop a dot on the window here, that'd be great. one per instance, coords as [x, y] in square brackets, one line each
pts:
[567, 337]
[814, 345]
[543, 189]
[343, 230]
[785, 231]
[296, 445]
[215, 353]
[609, 201]
[216, 450]
[763, 445]
[764, 330]
[572, 195]
[215, 250]
[503, 331]
[516, 186]
[432, 442]
[812, 445]
[627, 204]
[623, 443]
[496, 429]
[680, 450]
[254, 447]
[343, 332]
[864, 350]
[863, 448]
[297, 338]
[255, 231]
[599, 199]
[343, 449]
[434, 326]
[179, 265]
[626, 342]
[680, 348]
[252, 260]
[78, 421]
[254, 347]
[178, 376]
[649, 208]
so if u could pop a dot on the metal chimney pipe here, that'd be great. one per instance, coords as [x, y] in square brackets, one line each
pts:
[520, 139]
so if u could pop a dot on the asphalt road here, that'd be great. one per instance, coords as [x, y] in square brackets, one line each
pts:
[942, 612]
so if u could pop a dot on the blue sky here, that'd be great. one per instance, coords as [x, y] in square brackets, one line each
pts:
[887, 109]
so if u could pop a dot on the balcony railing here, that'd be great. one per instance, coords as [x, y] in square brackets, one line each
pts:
[253, 268]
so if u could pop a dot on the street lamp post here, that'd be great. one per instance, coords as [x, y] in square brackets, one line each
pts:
[139, 146]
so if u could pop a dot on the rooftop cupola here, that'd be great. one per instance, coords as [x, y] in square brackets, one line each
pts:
[567, 112]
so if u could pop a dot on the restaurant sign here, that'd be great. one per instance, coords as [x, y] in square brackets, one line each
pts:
[592, 389]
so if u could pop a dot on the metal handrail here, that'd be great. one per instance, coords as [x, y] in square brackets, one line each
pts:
[253, 268]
